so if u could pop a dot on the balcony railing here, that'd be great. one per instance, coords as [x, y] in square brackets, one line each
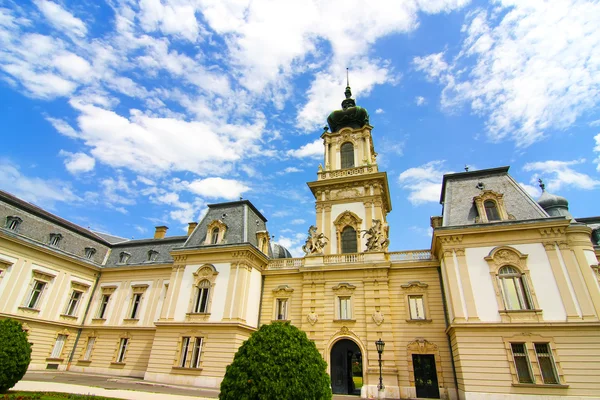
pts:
[338, 173]
[413, 255]
[351, 258]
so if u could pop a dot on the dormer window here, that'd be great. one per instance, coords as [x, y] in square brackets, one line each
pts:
[490, 207]
[89, 252]
[124, 257]
[152, 255]
[347, 155]
[491, 210]
[214, 239]
[13, 222]
[55, 239]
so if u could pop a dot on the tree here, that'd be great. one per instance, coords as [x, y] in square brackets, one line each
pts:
[15, 353]
[277, 362]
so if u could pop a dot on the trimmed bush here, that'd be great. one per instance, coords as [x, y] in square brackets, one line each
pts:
[277, 362]
[15, 353]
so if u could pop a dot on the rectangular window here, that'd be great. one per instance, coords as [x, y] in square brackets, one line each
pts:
[122, 350]
[345, 307]
[35, 295]
[88, 348]
[417, 309]
[546, 363]
[185, 346]
[103, 306]
[73, 303]
[521, 360]
[282, 309]
[58, 346]
[201, 300]
[196, 353]
[135, 305]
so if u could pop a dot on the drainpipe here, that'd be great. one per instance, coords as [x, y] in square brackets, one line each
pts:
[439, 269]
[85, 314]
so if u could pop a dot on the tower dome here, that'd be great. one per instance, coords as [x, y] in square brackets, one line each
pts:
[351, 115]
[554, 205]
[278, 251]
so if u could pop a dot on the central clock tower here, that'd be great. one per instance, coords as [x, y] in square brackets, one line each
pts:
[350, 192]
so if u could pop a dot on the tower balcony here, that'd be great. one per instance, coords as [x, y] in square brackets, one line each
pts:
[351, 258]
[340, 173]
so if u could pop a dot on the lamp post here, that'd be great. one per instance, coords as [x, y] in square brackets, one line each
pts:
[380, 344]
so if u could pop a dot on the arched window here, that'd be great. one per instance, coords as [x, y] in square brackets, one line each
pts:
[347, 152]
[349, 240]
[514, 291]
[491, 210]
[203, 290]
[214, 236]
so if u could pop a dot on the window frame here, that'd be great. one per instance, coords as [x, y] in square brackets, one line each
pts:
[38, 276]
[344, 292]
[529, 341]
[347, 238]
[59, 347]
[416, 289]
[282, 293]
[202, 297]
[123, 257]
[89, 253]
[102, 311]
[88, 349]
[347, 158]
[73, 303]
[55, 239]
[123, 346]
[498, 199]
[189, 352]
[152, 256]
[344, 219]
[525, 355]
[215, 224]
[551, 360]
[209, 273]
[13, 220]
[500, 257]
[134, 312]
[514, 278]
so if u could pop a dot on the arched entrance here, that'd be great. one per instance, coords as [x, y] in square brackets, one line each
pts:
[346, 368]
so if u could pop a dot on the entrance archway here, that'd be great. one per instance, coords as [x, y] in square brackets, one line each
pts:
[346, 368]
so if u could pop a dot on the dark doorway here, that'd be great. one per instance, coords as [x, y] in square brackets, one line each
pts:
[426, 376]
[346, 368]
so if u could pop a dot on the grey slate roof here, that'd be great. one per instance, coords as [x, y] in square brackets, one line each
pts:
[138, 251]
[459, 189]
[243, 221]
[37, 225]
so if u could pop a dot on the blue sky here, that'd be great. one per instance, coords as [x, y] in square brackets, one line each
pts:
[123, 115]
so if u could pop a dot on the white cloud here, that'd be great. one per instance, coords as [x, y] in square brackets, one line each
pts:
[534, 191]
[312, 150]
[597, 150]
[171, 17]
[560, 174]
[145, 144]
[289, 170]
[61, 19]
[44, 193]
[117, 191]
[379, 111]
[420, 100]
[293, 243]
[536, 67]
[424, 182]
[77, 163]
[63, 127]
[433, 65]
[229, 189]
[298, 221]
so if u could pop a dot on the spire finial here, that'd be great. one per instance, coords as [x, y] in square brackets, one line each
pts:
[348, 92]
[542, 186]
[466, 168]
[347, 78]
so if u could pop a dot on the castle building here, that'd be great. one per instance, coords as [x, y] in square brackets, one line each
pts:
[504, 305]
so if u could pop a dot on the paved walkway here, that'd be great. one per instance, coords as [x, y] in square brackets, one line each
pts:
[117, 387]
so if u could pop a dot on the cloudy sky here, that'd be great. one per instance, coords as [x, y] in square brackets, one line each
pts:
[120, 115]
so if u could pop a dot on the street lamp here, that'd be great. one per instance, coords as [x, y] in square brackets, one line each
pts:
[380, 344]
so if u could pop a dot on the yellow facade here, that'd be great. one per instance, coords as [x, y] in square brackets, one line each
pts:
[505, 304]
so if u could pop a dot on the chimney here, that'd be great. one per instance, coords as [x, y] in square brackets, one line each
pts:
[160, 232]
[191, 227]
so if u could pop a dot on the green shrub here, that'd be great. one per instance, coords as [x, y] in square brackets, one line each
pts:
[15, 353]
[276, 362]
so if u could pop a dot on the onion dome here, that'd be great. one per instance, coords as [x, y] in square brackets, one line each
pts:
[554, 205]
[350, 116]
[279, 251]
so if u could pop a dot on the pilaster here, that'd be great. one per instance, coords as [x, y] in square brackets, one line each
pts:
[561, 281]
[576, 278]
[465, 281]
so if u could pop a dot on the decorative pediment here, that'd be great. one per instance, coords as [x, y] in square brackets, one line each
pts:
[215, 224]
[108, 289]
[348, 218]
[344, 288]
[505, 255]
[497, 198]
[421, 346]
[43, 275]
[83, 287]
[283, 290]
[414, 285]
